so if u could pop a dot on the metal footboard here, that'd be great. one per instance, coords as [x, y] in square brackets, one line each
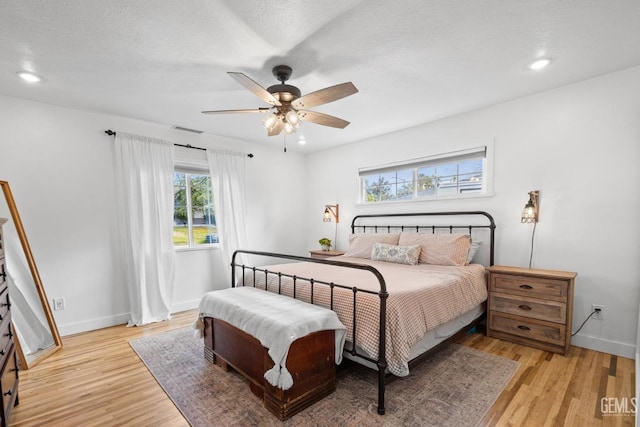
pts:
[381, 362]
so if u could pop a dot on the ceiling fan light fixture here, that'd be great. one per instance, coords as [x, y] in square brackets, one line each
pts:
[293, 118]
[270, 121]
[289, 128]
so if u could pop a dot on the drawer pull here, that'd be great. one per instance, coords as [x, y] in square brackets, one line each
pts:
[526, 287]
[8, 393]
[10, 335]
[524, 328]
[2, 352]
[524, 307]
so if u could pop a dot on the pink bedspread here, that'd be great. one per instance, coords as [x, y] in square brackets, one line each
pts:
[421, 297]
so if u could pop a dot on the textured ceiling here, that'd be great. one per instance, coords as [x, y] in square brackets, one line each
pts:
[414, 61]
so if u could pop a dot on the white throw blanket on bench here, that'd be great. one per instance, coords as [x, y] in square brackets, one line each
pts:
[275, 320]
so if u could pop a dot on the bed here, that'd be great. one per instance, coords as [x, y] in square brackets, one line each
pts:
[396, 305]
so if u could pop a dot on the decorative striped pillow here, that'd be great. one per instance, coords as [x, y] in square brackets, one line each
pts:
[439, 248]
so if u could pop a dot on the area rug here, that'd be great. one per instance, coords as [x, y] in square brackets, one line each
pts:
[455, 387]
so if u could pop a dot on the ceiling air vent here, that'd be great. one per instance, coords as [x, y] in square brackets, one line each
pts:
[176, 127]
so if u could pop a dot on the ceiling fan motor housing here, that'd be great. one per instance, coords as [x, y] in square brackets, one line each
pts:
[283, 92]
[286, 93]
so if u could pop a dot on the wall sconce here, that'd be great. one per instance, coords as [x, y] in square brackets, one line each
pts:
[335, 211]
[530, 214]
[530, 211]
[331, 210]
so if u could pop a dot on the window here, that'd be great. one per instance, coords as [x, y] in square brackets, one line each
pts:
[445, 175]
[194, 222]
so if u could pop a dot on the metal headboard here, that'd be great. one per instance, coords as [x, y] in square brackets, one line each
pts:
[488, 223]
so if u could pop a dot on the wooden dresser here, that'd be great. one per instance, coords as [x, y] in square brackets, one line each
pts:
[8, 358]
[324, 254]
[531, 307]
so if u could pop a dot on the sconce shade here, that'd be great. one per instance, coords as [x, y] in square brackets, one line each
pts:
[270, 121]
[329, 211]
[530, 211]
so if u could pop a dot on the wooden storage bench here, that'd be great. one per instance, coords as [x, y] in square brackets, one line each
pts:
[311, 362]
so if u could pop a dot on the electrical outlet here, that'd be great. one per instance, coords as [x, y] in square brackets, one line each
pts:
[58, 303]
[599, 311]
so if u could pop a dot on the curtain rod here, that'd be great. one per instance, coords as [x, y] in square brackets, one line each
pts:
[112, 133]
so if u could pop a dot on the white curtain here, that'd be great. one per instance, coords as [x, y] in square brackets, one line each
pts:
[144, 173]
[227, 171]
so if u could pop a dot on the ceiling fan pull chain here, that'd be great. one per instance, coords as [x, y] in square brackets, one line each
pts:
[285, 141]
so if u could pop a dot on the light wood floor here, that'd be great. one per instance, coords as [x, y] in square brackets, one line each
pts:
[98, 380]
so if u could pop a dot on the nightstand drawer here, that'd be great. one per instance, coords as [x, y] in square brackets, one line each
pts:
[550, 311]
[529, 286]
[538, 330]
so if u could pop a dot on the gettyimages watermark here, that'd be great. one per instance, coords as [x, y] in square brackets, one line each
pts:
[618, 406]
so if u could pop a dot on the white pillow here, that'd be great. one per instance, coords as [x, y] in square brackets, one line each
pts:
[361, 245]
[473, 248]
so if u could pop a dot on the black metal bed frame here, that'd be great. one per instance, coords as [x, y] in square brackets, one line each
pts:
[381, 362]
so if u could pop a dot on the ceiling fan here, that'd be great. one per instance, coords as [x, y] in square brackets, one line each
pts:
[288, 106]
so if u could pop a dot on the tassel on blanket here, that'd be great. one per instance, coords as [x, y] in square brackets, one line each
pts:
[279, 377]
[198, 325]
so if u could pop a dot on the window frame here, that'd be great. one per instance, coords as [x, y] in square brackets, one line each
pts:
[431, 160]
[189, 170]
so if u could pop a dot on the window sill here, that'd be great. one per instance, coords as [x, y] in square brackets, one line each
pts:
[428, 199]
[196, 248]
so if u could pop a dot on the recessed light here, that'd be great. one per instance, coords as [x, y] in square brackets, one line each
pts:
[28, 77]
[539, 64]
[302, 140]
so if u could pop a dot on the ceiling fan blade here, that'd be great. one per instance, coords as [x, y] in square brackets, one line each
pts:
[322, 119]
[277, 128]
[324, 96]
[255, 88]
[253, 110]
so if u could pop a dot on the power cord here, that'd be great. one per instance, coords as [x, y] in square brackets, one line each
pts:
[585, 321]
[533, 234]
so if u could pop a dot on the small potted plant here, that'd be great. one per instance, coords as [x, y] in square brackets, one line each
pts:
[325, 243]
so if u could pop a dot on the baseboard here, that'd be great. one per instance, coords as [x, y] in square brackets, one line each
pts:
[118, 319]
[93, 324]
[184, 306]
[605, 346]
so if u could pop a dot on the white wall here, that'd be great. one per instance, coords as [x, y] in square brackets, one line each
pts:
[579, 145]
[59, 164]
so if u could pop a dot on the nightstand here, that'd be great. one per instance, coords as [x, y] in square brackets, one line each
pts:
[324, 254]
[531, 307]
